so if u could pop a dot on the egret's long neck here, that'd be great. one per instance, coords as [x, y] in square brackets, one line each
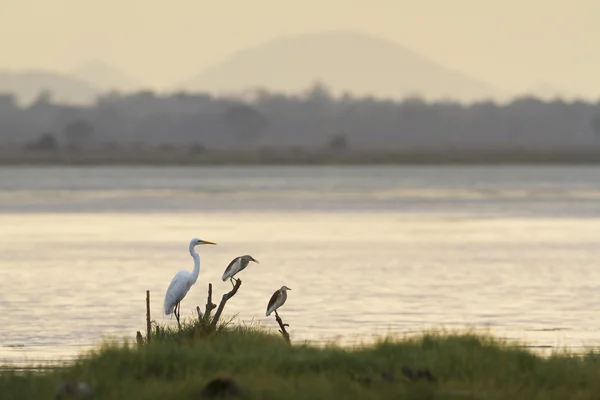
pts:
[196, 258]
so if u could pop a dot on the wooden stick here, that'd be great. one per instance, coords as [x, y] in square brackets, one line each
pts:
[148, 325]
[283, 332]
[226, 297]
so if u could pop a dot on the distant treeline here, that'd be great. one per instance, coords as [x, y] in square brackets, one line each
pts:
[314, 121]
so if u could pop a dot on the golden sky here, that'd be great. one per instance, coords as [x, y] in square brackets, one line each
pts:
[514, 44]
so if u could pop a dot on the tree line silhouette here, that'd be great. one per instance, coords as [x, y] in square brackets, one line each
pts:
[311, 120]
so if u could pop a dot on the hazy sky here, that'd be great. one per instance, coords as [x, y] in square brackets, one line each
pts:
[514, 44]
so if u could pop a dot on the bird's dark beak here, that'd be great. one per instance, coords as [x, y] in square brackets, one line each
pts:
[207, 242]
[255, 260]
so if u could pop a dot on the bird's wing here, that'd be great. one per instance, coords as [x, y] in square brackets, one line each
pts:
[177, 290]
[273, 300]
[231, 270]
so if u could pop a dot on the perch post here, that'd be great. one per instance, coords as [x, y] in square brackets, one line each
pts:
[148, 325]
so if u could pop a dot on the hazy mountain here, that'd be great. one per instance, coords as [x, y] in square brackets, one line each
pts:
[27, 85]
[105, 77]
[344, 61]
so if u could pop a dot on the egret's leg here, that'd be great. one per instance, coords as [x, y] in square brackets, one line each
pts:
[231, 280]
[177, 309]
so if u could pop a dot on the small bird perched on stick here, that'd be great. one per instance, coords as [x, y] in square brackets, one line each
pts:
[277, 300]
[236, 265]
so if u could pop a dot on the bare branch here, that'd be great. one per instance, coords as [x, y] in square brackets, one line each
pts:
[226, 297]
[209, 306]
[283, 332]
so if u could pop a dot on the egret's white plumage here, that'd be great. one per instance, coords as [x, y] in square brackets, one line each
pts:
[183, 281]
[236, 265]
[277, 300]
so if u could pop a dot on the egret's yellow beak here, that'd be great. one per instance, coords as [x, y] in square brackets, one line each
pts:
[207, 242]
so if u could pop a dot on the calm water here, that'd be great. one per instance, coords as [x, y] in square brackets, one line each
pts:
[366, 250]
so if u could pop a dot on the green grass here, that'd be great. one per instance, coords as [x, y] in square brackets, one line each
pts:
[178, 366]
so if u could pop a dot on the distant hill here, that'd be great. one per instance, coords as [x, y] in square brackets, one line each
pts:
[344, 61]
[80, 86]
[27, 85]
[105, 77]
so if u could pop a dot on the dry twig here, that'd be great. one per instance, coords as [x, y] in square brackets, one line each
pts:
[283, 332]
[226, 297]
[209, 306]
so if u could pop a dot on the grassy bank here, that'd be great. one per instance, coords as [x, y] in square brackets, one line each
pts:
[263, 366]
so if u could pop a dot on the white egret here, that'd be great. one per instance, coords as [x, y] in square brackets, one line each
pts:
[236, 265]
[182, 282]
[277, 300]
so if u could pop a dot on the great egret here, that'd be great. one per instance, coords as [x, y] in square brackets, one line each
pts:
[277, 300]
[182, 282]
[236, 265]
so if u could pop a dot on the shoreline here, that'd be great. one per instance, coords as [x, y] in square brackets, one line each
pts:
[254, 363]
[280, 157]
[369, 341]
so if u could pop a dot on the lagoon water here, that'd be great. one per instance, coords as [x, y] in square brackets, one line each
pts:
[367, 251]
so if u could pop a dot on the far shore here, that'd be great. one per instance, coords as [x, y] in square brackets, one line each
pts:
[182, 157]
